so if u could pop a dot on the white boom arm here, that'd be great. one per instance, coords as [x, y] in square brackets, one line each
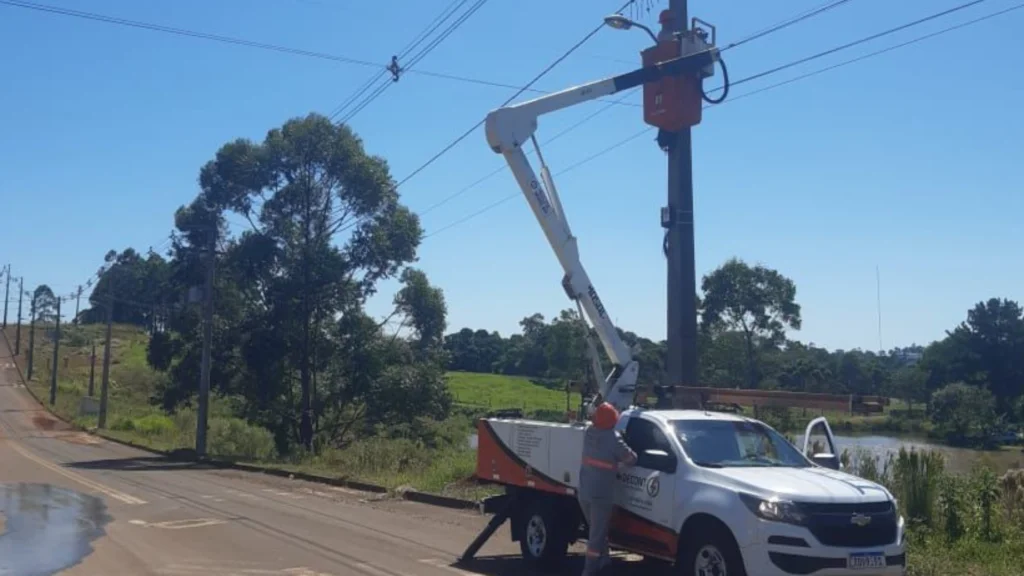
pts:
[507, 130]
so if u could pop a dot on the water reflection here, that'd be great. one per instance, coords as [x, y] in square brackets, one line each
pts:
[46, 528]
[957, 459]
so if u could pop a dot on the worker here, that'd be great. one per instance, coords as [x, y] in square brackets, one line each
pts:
[604, 452]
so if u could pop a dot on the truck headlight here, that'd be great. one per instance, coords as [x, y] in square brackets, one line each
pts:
[774, 509]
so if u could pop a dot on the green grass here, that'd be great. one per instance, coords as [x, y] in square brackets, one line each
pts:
[497, 391]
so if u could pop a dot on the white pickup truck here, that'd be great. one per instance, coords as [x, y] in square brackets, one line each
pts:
[712, 494]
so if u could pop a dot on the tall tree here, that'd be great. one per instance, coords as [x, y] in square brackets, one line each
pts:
[45, 304]
[755, 300]
[326, 227]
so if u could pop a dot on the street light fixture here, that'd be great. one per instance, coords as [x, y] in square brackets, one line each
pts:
[620, 22]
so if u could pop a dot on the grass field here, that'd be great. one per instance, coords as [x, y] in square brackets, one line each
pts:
[496, 391]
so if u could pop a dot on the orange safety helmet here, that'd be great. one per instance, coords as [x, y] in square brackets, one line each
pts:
[605, 416]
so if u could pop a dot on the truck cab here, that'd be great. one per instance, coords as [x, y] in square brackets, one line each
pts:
[718, 493]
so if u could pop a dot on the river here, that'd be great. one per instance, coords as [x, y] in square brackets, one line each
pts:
[957, 459]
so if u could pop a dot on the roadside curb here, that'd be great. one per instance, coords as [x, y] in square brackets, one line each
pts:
[441, 501]
[410, 495]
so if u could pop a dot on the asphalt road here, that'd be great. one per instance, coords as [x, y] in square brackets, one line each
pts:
[75, 504]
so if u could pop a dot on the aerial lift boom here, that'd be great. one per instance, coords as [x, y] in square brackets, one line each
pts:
[508, 129]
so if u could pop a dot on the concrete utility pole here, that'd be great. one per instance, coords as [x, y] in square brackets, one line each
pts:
[17, 329]
[92, 370]
[78, 301]
[7, 294]
[31, 338]
[204, 377]
[56, 352]
[104, 385]
[682, 275]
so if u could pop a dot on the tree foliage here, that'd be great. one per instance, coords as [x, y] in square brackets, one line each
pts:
[745, 314]
[291, 339]
[756, 301]
[44, 302]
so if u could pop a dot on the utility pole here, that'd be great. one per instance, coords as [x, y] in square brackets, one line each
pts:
[92, 370]
[17, 329]
[7, 294]
[204, 377]
[56, 351]
[78, 301]
[102, 420]
[682, 275]
[31, 337]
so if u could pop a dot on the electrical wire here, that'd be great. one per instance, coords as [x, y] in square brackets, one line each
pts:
[615, 146]
[725, 88]
[445, 14]
[787, 23]
[529, 84]
[415, 59]
[504, 167]
[861, 41]
[254, 44]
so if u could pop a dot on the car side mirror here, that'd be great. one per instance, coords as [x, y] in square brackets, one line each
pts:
[659, 460]
[827, 460]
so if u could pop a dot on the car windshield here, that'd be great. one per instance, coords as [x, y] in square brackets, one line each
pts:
[722, 443]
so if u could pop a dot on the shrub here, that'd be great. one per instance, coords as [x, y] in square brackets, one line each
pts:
[154, 425]
[915, 478]
[236, 438]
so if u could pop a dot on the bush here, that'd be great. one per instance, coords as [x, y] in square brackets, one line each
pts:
[154, 425]
[963, 414]
[236, 438]
[915, 478]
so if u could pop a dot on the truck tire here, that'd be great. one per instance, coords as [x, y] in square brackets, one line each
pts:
[710, 551]
[544, 540]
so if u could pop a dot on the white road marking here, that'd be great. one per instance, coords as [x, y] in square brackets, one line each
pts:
[179, 524]
[115, 494]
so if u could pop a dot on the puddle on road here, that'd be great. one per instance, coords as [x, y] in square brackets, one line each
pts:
[47, 529]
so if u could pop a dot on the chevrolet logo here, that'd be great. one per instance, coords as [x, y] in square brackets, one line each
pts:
[860, 520]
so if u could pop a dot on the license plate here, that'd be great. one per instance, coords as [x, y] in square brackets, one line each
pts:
[866, 560]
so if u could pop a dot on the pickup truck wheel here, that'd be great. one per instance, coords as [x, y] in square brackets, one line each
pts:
[711, 553]
[543, 541]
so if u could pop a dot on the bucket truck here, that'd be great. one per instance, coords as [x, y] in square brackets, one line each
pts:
[711, 493]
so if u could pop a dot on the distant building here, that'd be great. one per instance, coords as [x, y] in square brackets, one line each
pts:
[908, 357]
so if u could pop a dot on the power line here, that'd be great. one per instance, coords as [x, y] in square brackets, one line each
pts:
[413, 43]
[529, 84]
[620, 143]
[419, 56]
[503, 167]
[858, 42]
[787, 23]
[249, 43]
[760, 34]
[385, 82]
[879, 52]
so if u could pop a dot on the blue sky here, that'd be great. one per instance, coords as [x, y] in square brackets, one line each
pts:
[909, 161]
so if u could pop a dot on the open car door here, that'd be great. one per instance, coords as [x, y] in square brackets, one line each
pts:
[826, 455]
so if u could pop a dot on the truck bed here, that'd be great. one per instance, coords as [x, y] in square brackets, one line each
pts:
[530, 454]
